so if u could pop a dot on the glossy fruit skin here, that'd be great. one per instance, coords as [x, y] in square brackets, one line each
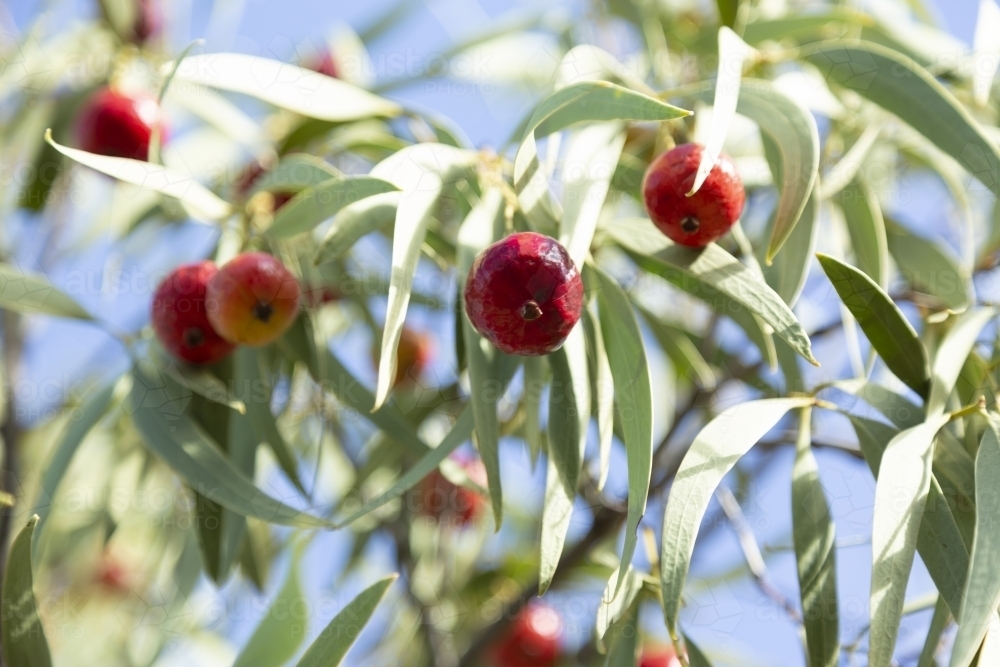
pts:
[118, 125]
[662, 656]
[533, 638]
[253, 299]
[447, 502]
[180, 319]
[524, 294]
[705, 216]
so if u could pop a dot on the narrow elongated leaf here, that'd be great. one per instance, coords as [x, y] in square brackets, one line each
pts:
[815, 553]
[933, 642]
[281, 632]
[534, 386]
[931, 268]
[616, 603]
[887, 330]
[26, 291]
[569, 408]
[156, 405]
[633, 396]
[204, 383]
[866, 228]
[728, 10]
[951, 355]
[682, 351]
[556, 514]
[603, 394]
[844, 172]
[715, 451]
[900, 496]
[284, 85]
[901, 86]
[199, 200]
[321, 202]
[788, 271]
[733, 56]
[624, 640]
[337, 638]
[294, 173]
[896, 408]
[354, 221]
[696, 657]
[709, 272]
[590, 163]
[986, 46]
[981, 595]
[21, 628]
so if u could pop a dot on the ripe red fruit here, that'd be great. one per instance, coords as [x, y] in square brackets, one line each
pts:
[148, 20]
[253, 299]
[118, 125]
[533, 639]
[706, 215]
[113, 576]
[445, 501]
[524, 294]
[661, 656]
[325, 64]
[180, 319]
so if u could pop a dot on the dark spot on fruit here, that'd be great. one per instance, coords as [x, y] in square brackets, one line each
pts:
[530, 311]
[690, 224]
[193, 337]
[263, 311]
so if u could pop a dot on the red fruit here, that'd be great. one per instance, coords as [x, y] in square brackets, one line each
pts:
[659, 657]
[148, 20]
[706, 215]
[113, 576]
[118, 125]
[413, 354]
[180, 319]
[253, 299]
[524, 294]
[533, 639]
[445, 501]
[325, 64]
[249, 176]
[318, 295]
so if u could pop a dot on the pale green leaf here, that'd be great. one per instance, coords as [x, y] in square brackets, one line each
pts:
[320, 202]
[557, 511]
[951, 354]
[931, 268]
[337, 638]
[933, 641]
[569, 408]
[534, 386]
[282, 630]
[616, 603]
[202, 382]
[696, 657]
[21, 627]
[714, 452]
[26, 291]
[294, 173]
[866, 228]
[887, 330]
[603, 394]
[844, 172]
[354, 221]
[788, 271]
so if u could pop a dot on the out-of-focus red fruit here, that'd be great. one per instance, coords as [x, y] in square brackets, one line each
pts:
[324, 63]
[447, 502]
[114, 577]
[118, 125]
[705, 216]
[524, 294]
[413, 354]
[253, 299]
[180, 319]
[533, 638]
[246, 180]
[148, 20]
[659, 656]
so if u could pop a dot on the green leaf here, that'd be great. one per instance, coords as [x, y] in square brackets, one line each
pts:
[569, 409]
[933, 642]
[633, 396]
[931, 268]
[354, 221]
[806, 27]
[281, 632]
[318, 203]
[846, 170]
[866, 228]
[981, 595]
[733, 56]
[815, 553]
[557, 511]
[904, 482]
[616, 603]
[695, 655]
[337, 638]
[23, 635]
[788, 271]
[202, 382]
[199, 200]
[728, 10]
[624, 640]
[156, 406]
[290, 87]
[603, 393]
[294, 173]
[889, 332]
[29, 292]
[901, 86]
[480, 228]
[682, 351]
[576, 103]
[896, 408]
[951, 354]
[714, 452]
[709, 273]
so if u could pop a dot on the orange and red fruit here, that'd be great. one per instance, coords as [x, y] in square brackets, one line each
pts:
[253, 299]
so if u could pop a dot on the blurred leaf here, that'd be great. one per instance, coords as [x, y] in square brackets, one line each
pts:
[788, 272]
[900, 496]
[929, 268]
[354, 221]
[846, 170]
[156, 406]
[294, 173]
[299, 345]
[712, 272]
[695, 656]
[616, 603]
[23, 634]
[122, 15]
[933, 642]
[321, 202]
[283, 628]
[951, 354]
[986, 49]
[714, 452]
[624, 640]
[896, 408]
[337, 638]
[201, 381]
[290, 87]
[633, 396]
[889, 332]
[867, 230]
[201, 201]
[557, 511]
[683, 353]
[733, 56]
[26, 291]
[591, 156]
[223, 115]
[902, 87]
[728, 9]
[815, 553]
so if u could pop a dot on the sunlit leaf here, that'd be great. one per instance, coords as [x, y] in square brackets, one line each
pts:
[930, 268]
[951, 354]
[616, 602]
[25, 291]
[866, 228]
[569, 408]
[603, 394]
[933, 642]
[788, 271]
[321, 202]
[281, 632]
[557, 511]
[294, 173]
[23, 635]
[354, 221]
